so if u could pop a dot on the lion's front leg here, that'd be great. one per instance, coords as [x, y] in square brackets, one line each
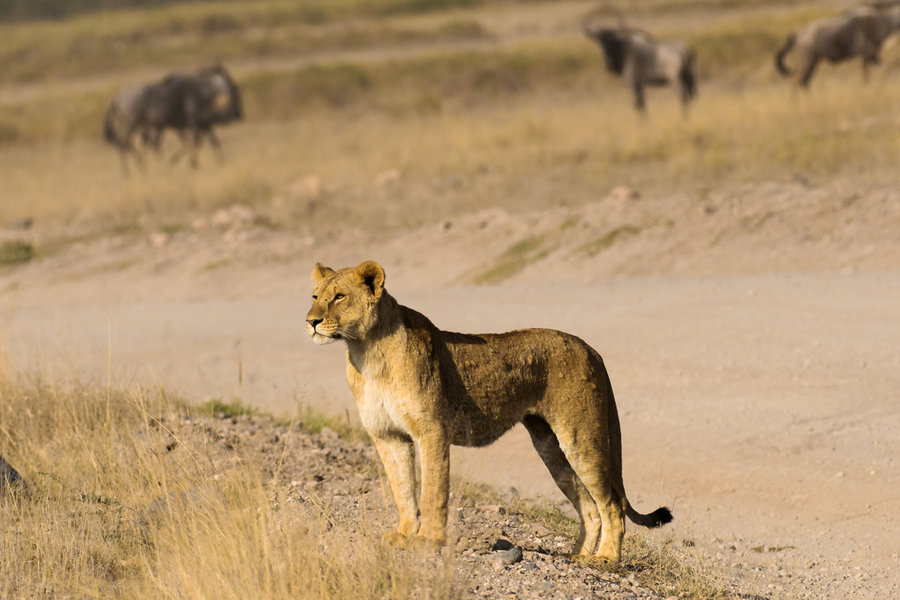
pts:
[434, 449]
[398, 457]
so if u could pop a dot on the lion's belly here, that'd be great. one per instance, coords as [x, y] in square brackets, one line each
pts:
[484, 414]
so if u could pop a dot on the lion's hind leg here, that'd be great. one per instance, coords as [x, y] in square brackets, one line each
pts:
[586, 446]
[547, 447]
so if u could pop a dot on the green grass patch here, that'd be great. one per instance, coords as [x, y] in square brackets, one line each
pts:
[609, 238]
[514, 259]
[309, 419]
[15, 252]
[313, 421]
[173, 228]
[216, 407]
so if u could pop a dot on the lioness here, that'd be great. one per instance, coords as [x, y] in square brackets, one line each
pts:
[416, 385]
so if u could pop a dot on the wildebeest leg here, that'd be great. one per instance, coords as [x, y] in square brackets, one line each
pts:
[639, 101]
[869, 58]
[195, 144]
[685, 101]
[127, 147]
[216, 144]
[176, 156]
[808, 71]
[190, 140]
[688, 86]
[152, 137]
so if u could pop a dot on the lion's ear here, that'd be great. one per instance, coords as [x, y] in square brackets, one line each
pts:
[373, 276]
[321, 272]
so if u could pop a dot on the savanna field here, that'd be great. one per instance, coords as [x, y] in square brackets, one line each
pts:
[737, 266]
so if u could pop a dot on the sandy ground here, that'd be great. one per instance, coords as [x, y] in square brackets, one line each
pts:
[757, 378]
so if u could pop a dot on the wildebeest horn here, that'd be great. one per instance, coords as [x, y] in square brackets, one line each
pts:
[587, 21]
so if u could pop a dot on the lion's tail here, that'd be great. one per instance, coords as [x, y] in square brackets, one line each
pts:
[658, 517]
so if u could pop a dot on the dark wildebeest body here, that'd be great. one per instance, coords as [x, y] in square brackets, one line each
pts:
[860, 31]
[643, 61]
[189, 104]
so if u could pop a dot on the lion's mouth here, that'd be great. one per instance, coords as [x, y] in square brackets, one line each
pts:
[322, 338]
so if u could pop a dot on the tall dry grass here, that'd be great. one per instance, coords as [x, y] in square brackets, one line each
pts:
[109, 513]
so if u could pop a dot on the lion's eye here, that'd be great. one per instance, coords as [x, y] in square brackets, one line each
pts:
[338, 297]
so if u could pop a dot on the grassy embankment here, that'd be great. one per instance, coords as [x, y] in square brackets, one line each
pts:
[93, 520]
[524, 123]
[87, 526]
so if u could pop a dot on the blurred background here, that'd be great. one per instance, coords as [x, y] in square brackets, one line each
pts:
[452, 104]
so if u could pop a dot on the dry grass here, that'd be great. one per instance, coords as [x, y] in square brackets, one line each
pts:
[509, 156]
[95, 460]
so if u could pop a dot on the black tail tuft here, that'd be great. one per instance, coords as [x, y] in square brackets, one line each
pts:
[657, 518]
[660, 516]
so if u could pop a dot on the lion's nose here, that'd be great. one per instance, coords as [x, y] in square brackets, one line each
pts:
[313, 322]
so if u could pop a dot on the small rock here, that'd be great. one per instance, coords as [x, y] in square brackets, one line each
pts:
[623, 192]
[158, 239]
[504, 558]
[234, 216]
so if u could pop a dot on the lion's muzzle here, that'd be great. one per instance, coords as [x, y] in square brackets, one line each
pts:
[319, 334]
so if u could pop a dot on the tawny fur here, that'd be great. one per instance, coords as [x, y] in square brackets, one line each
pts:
[419, 387]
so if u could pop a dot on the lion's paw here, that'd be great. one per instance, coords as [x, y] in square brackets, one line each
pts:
[596, 562]
[423, 544]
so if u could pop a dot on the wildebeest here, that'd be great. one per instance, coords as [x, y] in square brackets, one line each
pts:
[860, 31]
[644, 61]
[191, 104]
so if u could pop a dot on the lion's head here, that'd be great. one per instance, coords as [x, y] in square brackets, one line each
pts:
[343, 302]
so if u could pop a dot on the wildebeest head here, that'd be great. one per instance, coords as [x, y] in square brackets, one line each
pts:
[614, 43]
[225, 104]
